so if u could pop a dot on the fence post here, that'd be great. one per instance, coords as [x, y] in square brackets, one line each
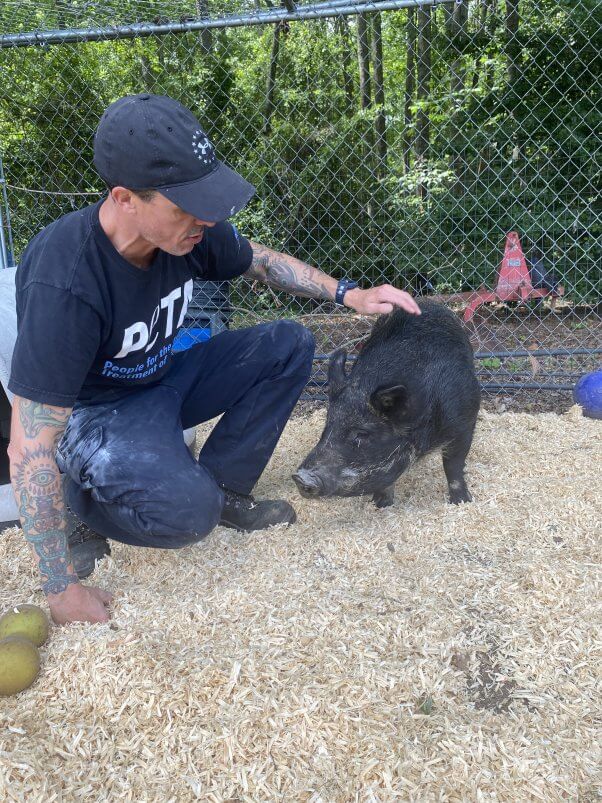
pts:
[6, 251]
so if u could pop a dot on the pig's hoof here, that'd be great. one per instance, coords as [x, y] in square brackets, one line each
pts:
[384, 498]
[459, 498]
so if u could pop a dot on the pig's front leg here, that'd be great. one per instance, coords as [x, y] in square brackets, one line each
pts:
[454, 461]
[385, 497]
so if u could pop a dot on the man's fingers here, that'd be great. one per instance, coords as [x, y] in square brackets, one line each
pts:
[406, 301]
[382, 299]
[392, 295]
[104, 596]
[411, 306]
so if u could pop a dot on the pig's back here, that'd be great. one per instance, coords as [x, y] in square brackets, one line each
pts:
[436, 334]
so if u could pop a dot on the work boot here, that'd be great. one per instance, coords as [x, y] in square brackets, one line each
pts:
[85, 545]
[241, 512]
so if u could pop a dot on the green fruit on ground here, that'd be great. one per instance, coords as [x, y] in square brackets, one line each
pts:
[19, 664]
[25, 620]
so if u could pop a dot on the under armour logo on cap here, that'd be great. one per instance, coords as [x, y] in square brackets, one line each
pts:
[202, 147]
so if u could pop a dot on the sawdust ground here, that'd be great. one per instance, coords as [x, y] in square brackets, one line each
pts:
[422, 652]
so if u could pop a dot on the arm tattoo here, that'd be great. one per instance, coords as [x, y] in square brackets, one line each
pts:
[37, 485]
[284, 272]
[35, 416]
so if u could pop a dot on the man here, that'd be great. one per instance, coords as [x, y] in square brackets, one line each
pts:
[100, 399]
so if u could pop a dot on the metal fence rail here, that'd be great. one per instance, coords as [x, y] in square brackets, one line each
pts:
[308, 11]
[396, 140]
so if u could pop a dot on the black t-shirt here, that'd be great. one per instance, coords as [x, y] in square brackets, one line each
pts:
[90, 322]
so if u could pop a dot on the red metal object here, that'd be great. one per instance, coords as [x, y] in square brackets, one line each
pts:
[513, 283]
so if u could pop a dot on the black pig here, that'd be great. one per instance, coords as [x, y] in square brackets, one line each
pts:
[412, 389]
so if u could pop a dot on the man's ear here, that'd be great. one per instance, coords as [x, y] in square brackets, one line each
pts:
[390, 399]
[123, 198]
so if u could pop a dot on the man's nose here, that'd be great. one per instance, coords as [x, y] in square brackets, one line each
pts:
[198, 222]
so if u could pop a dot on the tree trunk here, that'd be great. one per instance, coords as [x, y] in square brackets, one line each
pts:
[421, 144]
[343, 30]
[512, 47]
[488, 24]
[363, 58]
[365, 126]
[456, 24]
[270, 88]
[481, 33]
[60, 17]
[410, 87]
[205, 35]
[512, 43]
[380, 121]
[379, 196]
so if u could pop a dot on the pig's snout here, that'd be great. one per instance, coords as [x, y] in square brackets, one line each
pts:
[308, 483]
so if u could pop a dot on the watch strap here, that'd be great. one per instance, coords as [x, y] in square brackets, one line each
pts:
[342, 287]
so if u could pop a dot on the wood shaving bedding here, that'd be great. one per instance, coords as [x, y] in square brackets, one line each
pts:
[422, 652]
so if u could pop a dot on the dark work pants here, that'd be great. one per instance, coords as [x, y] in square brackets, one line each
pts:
[129, 474]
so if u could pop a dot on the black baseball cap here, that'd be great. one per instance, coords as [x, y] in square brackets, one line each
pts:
[153, 142]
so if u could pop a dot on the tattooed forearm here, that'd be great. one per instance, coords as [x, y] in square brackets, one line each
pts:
[37, 483]
[35, 416]
[284, 272]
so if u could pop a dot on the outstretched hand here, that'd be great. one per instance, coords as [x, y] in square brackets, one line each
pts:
[380, 300]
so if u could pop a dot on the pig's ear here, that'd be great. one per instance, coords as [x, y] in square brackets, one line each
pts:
[391, 399]
[336, 372]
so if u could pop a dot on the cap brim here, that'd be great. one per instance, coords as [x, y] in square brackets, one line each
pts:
[215, 197]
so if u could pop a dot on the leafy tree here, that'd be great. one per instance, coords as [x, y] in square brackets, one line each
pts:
[409, 157]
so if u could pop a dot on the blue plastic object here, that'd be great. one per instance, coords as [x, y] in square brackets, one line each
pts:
[190, 337]
[588, 393]
[208, 314]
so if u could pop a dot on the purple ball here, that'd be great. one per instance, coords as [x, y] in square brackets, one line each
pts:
[588, 393]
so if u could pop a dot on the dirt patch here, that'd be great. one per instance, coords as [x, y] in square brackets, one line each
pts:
[486, 683]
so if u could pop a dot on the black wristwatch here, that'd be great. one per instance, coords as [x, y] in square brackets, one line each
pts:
[342, 287]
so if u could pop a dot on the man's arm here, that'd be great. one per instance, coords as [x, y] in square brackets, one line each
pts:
[36, 480]
[284, 272]
[36, 429]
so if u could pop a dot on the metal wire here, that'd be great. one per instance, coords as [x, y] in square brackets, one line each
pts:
[394, 141]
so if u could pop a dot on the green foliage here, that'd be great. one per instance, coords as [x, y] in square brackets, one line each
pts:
[504, 153]
[491, 362]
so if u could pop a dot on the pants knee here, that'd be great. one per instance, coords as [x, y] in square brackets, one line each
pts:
[180, 513]
[196, 512]
[294, 339]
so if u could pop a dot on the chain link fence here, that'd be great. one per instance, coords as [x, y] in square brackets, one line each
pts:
[391, 141]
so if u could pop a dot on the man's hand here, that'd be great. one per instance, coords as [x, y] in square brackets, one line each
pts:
[78, 603]
[379, 300]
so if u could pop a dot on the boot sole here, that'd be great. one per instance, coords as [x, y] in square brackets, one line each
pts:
[240, 529]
